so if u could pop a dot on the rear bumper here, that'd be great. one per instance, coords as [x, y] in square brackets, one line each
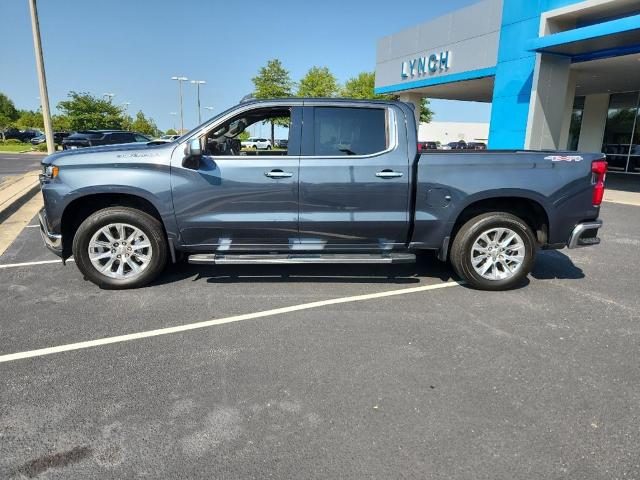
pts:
[53, 241]
[585, 234]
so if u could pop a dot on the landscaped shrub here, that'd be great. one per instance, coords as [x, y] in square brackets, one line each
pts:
[41, 147]
[11, 141]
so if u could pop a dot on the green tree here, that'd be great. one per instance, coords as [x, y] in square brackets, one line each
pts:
[144, 125]
[29, 119]
[273, 81]
[171, 131]
[363, 87]
[426, 114]
[8, 113]
[318, 82]
[61, 123]
[85, 112]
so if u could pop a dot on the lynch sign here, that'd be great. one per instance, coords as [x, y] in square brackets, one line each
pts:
[427, 65]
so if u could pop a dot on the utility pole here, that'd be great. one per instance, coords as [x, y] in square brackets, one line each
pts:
[42, 79]
[197, 83]
[180, 80]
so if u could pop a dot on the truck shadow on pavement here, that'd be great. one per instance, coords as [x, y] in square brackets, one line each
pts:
[553, 264]
[549, 265]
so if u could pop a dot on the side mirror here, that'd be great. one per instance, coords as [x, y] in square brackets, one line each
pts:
[192, 154]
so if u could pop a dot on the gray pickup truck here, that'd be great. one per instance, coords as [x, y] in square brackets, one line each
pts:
[350, 187]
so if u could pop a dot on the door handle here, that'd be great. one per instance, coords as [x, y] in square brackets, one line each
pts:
[388, 174]
[278, 174]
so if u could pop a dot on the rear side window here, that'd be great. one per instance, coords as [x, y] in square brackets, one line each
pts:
[343, 131]
[121, 137]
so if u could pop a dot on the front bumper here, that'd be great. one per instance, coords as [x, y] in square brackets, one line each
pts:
[585, 234]
[53, 241]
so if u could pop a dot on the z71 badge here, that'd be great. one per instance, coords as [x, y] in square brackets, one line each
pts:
[564, 158]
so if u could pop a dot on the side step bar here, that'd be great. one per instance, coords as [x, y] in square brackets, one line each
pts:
[250, 259]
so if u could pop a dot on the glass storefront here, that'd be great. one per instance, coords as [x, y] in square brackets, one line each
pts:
[621, 141]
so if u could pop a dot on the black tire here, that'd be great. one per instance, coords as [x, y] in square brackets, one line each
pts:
[461, 250]
[149, 225]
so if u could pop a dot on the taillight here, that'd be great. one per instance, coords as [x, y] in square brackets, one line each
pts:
[599, 172]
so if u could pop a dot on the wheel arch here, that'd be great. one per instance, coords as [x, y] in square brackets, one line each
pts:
[84, 205]
[528, 206]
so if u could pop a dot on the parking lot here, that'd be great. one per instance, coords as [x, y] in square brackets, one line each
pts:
[346, 380]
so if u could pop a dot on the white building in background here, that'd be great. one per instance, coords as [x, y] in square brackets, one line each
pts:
[445, 132]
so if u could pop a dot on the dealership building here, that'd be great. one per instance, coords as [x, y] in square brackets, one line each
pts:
[560, 74]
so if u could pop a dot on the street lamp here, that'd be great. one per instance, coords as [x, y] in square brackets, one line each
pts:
[108, 96]
[197, 83]
[180, 80]
[173, 114]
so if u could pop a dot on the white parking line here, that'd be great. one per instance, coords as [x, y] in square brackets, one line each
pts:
[219, 321]
[28, 264]
[32, 226]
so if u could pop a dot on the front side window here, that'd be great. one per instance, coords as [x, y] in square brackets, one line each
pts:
[234, 137]
[344, 131]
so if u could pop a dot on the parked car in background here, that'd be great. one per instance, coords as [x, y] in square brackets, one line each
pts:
[257, 143]
[282, 143]
[459, 145]
[429, 145]
[93, 138]
[21, 135]
[58, 137]
[476, 146]
[167, 138]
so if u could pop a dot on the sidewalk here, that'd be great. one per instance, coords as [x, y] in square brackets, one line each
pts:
[16, 189]
[19, 202]
[621, 188]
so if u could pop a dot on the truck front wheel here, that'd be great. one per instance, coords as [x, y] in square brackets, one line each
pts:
[120, 247]
[494, 251]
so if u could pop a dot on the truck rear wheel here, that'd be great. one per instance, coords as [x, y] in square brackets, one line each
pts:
[120, 247]
[494, 251]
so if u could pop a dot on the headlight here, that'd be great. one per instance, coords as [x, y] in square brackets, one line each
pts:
[51, 171]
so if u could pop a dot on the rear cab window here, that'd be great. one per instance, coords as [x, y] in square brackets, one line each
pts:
[346, 131]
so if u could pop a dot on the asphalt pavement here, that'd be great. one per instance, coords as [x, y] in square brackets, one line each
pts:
[18, 163]
[539, 382]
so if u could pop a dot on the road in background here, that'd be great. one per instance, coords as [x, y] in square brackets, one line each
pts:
[18, 163]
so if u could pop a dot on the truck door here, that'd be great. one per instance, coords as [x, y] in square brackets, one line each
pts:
[354, 178]
[240, 199]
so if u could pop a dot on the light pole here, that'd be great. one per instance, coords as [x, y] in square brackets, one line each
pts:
[180, 80]
[42, 79]
[197, 83]
[173, 114]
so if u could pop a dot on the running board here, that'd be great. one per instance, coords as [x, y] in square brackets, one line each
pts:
[212, 258]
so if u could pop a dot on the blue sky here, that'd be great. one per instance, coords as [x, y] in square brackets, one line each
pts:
[132, 48]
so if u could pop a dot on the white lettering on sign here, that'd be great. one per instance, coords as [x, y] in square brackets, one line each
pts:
[427, 65]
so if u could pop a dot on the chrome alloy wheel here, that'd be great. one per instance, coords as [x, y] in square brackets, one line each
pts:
[497, 254]
[120, 251]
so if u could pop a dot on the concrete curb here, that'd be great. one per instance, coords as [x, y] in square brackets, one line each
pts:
[16, 192]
